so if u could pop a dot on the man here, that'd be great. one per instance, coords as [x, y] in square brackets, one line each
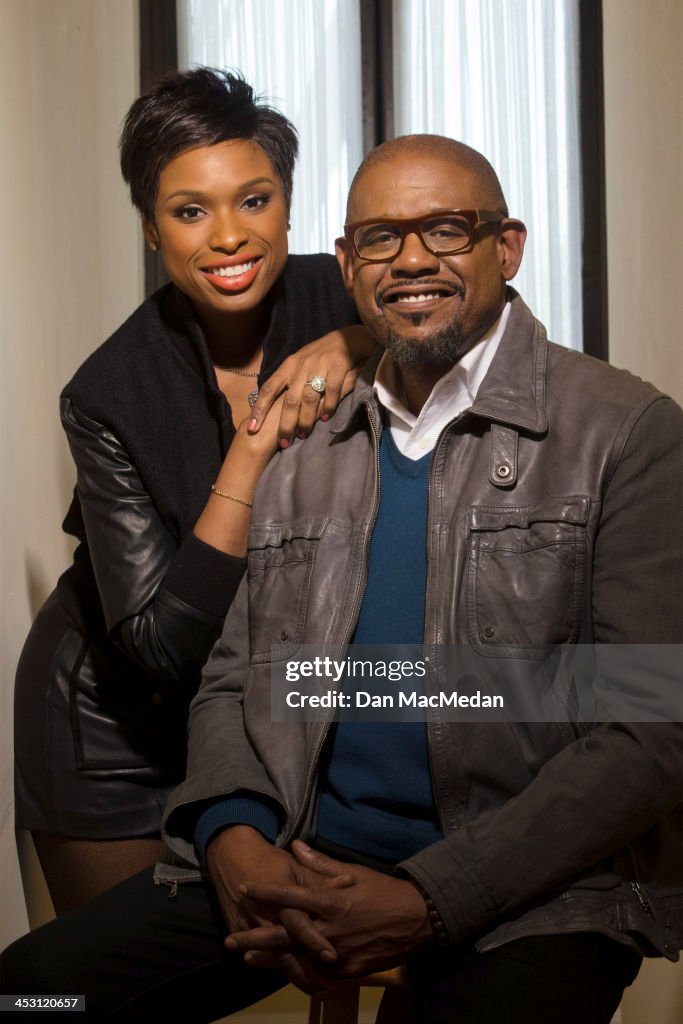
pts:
[529, 498]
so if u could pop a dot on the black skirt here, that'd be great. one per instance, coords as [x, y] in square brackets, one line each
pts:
[99, 743]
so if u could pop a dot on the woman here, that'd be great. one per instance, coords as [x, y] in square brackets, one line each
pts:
[168, 455]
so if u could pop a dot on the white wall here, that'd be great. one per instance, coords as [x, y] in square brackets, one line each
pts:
[643, 40]
[70, 271]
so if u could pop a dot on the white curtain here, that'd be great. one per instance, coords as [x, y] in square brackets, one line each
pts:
[502, 76]
[303, 57]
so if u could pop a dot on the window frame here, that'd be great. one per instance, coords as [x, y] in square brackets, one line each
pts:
[159, 54]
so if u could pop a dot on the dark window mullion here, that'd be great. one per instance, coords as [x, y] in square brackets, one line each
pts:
[592, 120]
[158, 54]
[376, 31]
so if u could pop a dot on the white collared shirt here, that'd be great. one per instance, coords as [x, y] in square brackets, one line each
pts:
[451, 395]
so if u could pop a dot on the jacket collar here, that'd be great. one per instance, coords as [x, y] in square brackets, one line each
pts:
[513, 390]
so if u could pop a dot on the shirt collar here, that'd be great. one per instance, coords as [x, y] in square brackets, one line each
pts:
[451, 395]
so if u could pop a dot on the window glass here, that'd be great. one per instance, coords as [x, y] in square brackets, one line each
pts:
[303, 57]
[502, 76]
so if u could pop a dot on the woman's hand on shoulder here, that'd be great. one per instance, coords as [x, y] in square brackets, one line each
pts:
[257, 449]
[337, 357]
[224, 522]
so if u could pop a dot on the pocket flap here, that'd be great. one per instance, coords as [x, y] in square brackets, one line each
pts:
[570, 509]
[274, 535]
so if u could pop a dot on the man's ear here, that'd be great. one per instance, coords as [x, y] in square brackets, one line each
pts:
[344, 253]
[150, 233]
[512, 238]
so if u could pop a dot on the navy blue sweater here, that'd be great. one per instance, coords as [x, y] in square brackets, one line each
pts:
[378, 793]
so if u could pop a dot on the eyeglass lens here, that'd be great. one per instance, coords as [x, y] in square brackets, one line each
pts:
[445, 234]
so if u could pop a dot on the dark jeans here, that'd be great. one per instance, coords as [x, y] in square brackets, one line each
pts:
[140, 957]
[576, 978]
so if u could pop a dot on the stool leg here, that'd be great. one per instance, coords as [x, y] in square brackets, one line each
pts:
[341, 1006]
[314, 1010]
[396, 1007]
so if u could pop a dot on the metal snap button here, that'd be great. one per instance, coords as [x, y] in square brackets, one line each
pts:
[489, 631]
[284, 634]
[503, 471]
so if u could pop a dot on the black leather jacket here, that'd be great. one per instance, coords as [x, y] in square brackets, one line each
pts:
[148, 429]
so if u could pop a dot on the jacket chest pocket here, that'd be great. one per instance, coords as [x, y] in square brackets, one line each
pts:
[526, 571]
[279, 577]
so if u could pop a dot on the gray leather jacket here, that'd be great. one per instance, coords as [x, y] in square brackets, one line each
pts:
[554, 507]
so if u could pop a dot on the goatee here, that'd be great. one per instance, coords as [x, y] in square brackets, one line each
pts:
[441, 349]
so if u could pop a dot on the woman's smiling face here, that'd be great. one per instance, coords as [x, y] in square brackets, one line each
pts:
[220, 219]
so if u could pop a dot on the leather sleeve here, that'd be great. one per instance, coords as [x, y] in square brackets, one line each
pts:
[163, 604]
[221, 759]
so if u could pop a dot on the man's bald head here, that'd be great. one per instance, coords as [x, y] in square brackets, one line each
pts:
[420, 146]
[428, 308]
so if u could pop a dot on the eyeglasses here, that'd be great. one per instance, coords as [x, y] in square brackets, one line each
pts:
[443, 233]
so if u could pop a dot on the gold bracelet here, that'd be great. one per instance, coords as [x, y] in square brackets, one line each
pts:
[231, 497]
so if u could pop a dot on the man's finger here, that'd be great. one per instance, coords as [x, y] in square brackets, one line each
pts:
[298, 971]
[264, 961]
[267, 937]
[337, 882]
[317, 901]
[319, 862]
[303, 931]
[301, 974]
[296, 929]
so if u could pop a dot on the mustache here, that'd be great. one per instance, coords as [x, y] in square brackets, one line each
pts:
[452, 287]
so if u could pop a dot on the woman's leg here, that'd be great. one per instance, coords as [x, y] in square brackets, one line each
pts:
[57, 796]
[76, 870]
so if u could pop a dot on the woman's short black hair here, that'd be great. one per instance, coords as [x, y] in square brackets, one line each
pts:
[201, 107]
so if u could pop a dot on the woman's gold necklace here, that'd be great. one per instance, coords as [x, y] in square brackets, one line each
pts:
[253, 395]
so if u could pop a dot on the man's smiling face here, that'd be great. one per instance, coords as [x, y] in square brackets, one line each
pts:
[427, 310]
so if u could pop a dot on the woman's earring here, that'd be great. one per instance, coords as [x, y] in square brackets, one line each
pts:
[153, 246]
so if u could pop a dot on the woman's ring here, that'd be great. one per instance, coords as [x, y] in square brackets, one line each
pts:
[318, 384]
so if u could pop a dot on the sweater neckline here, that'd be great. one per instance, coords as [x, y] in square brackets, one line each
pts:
[402, 464]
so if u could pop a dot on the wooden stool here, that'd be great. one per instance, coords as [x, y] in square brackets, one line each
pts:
[341, 1006]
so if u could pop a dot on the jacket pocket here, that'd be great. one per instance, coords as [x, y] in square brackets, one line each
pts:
[279, 577]
[525, 574]
[122, 720]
